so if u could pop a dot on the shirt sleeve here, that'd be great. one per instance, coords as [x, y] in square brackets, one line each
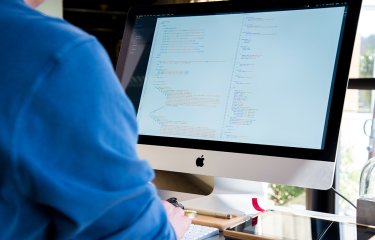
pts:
[74, 146]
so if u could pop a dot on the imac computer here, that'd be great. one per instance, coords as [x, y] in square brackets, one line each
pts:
[249, 90]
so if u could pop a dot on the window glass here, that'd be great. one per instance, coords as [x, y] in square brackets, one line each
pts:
[355, 146]
[364, 47]
[356, 138]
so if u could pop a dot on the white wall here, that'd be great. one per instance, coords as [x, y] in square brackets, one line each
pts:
[52, 8]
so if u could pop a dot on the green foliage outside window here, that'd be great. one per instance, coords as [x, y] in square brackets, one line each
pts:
[350, 172]
[282, 194]
[367, 63]
[366, 71]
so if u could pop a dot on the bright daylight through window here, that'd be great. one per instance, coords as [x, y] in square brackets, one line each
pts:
[356, 141]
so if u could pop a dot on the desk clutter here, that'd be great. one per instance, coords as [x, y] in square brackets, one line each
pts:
[211, 219]
[287, 225]
[272, 225]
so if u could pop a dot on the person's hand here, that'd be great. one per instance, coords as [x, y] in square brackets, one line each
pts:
[176, 217]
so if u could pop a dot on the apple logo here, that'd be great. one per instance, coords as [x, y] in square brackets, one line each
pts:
[199, 161]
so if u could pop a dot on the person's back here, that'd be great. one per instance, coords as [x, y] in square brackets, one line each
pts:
[68, 164]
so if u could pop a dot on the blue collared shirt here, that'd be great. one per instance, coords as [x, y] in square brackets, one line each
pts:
[68, 163]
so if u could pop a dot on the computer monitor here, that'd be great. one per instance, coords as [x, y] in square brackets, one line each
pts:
[250, 90]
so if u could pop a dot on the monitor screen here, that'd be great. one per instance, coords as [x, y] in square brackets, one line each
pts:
[240, 85]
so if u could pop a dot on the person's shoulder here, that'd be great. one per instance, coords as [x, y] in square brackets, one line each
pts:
[58, 32]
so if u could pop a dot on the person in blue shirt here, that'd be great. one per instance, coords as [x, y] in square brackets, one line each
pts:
[68, 162]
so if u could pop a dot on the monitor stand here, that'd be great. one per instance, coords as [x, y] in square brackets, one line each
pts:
[231, 196]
